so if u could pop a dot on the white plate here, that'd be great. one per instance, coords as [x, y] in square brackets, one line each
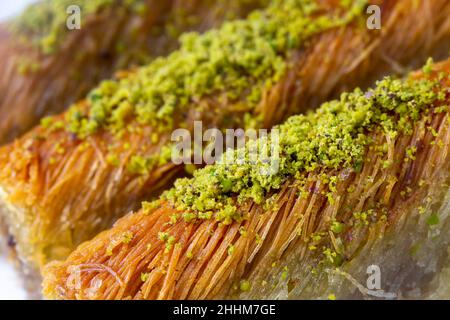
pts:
[11, 8]
[10, 285]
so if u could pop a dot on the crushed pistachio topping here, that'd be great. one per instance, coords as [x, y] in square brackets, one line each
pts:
[333, 137]
[236, 61]
[45, 21]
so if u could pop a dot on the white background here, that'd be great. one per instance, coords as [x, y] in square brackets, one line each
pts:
[10, 287]
[10, 8]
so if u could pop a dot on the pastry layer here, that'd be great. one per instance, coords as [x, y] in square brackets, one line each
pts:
[74, 175]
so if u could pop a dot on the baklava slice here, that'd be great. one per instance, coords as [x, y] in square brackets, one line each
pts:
[49, 62]
[354, 203]
[76, 173]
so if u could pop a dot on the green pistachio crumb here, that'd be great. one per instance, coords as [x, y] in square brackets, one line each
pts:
[245, 286]
[230, 249]
[168, 239]
[113, 160]
[337, 227]
[145, 277]
[433, 219]
[428, 67]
